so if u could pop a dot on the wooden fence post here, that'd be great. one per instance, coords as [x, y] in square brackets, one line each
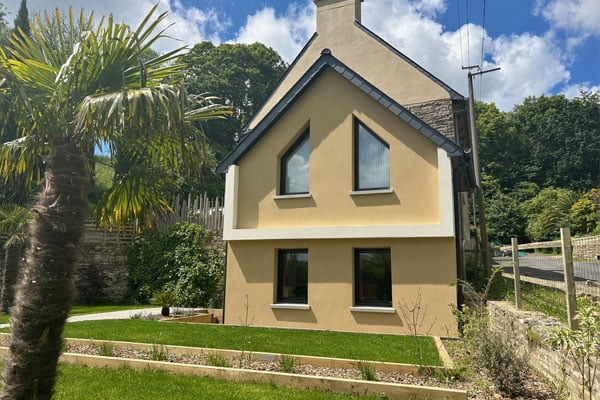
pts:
[567, 253]
[516, 272]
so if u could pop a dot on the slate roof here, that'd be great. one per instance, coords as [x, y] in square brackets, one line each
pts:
[328, 61]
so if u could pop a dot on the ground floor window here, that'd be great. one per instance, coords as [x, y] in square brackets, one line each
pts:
[372, 277]
[292, 276]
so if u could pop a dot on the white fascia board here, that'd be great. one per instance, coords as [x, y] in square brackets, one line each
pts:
[230, 209]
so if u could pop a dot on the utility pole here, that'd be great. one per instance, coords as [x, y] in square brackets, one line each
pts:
[484, 247]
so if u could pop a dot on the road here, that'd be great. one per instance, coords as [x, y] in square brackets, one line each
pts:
[551, 267]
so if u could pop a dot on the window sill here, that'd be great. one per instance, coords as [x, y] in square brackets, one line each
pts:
[290, 306]
[368, 192]
[292, 196]
[382, 310]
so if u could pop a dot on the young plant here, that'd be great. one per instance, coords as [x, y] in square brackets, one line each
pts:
[495, 352]
[217, 360]
[158, 353]
[287, 363]
[165, 299]
[367, 372]
[581, 345]
[245, 324]
[106, 349]
[414, 315]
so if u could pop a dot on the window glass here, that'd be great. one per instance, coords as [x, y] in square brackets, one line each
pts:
[292, 282]
[295, 167]
[373, 277]
[372, 160]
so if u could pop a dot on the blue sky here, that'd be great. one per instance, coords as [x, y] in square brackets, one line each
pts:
[542, 46]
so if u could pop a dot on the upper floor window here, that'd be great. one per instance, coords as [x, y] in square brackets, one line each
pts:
[295, 167]
[292, 276]
[371, 159]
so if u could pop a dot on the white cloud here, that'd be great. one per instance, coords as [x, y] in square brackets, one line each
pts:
[286, 33]
[530, 65]
[572, 91]
[581, 17]
[192, 25]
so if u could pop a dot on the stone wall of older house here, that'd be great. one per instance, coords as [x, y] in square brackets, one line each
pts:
[532, 331]
[438, 114]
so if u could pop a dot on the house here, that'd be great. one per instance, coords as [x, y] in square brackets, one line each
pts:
[342, 199]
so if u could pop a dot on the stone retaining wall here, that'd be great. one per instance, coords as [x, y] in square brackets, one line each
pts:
[531, 329]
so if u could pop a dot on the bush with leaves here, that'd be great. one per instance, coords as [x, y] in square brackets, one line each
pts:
[182, 260]
[493, 351]
[581, 345]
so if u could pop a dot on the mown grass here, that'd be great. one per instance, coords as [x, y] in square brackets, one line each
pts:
[355, 346]
[76, 382]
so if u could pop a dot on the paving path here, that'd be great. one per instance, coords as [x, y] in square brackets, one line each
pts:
[125, 314]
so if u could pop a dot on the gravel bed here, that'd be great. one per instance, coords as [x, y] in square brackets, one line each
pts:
[478, 386]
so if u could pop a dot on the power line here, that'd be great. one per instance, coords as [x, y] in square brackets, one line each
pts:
[462, 60]
[468, 36]
[482, 46]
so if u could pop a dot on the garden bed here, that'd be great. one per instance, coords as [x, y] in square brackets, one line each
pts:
[338, 375]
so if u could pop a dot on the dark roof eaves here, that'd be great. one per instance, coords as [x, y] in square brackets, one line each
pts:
[454, 95]
[273, 116]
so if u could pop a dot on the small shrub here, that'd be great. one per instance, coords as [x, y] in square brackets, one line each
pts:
[106, 349]
[287, 363]
[158, 353]
[367, 372]
[217, 360]
[495, 352]
[165, 299]
[182, 260]
[582, 345]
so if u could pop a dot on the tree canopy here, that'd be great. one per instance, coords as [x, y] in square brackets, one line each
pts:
[541, 163]
[242, 76]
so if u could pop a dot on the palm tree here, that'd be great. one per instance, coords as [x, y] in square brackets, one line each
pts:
[13, 223]
[76, 84]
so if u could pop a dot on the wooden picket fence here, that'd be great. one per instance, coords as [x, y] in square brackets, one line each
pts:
[201, 210]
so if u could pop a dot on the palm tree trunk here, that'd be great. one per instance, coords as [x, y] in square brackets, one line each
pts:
[45, 291]
[12, 263]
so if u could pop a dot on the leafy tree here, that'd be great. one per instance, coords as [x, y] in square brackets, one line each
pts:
[505, 219]
[242, 76]
[75, 84]
[504, 151]
[564, 135]
[549, 211]
[22, 20]
[4, 30]
[13, 223]
[585, 213]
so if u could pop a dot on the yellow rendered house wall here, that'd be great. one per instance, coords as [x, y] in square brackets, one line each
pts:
[337, 31]
[419, 266]
[328, 107]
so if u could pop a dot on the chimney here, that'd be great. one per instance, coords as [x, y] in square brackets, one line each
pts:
[331, 13]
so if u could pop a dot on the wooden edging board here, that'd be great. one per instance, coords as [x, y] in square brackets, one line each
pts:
[391, 390]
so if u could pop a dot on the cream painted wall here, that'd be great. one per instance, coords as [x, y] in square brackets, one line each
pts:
[328, 107]
[337, 31]
[425, 266]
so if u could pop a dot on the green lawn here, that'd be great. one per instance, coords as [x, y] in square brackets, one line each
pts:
[81, 310]
[355, 346]
[77, 382]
